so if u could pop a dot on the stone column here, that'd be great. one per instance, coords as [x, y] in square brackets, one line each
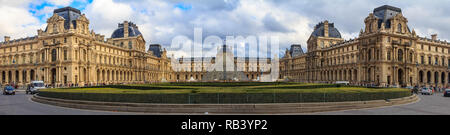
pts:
[28, 76]
[7, 78]
[1, 77]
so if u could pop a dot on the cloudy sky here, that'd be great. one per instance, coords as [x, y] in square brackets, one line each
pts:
[161, 20]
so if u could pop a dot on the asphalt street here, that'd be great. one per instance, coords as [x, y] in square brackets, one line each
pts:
[435, 104]
[21, 104]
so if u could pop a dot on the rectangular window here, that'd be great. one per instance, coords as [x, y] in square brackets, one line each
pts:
[423, 60]
[65, 54]
[429, 60]
[443, 62]
[389, 55]
[43, 57]
[448, 63]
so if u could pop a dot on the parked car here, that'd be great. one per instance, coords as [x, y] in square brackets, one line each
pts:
[9, 90]
[447, 93]
[410, 88]
[34, 87]
[426, 91]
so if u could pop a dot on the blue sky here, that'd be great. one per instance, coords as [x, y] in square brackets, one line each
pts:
[35, 7]
[183, 6]
[161, 20]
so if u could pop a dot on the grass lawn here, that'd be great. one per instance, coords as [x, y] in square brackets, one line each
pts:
[225, 93]
[186, 88]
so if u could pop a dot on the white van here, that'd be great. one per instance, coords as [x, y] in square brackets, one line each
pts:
[342, 82]
[35, 86]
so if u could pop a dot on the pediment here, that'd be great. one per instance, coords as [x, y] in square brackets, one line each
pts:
[83, 18]
[55, 18]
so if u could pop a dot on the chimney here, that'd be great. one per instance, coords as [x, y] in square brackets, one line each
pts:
[125, 29]
[7, 38]
[434, 37]
[325, 26]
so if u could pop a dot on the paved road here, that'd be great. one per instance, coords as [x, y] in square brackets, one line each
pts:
[428, 105]
[20, 104]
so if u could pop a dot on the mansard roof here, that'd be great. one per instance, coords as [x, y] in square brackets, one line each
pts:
[70, 15]
[133, 31]
[319, 30]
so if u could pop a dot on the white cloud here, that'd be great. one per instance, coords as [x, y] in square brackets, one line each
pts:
[291, 20]
[105, 14]
[16, 21]
[60, 2]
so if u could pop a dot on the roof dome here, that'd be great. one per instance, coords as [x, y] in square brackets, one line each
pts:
[133, 30]
[319, 31]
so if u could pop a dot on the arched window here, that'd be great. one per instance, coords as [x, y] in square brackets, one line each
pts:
[400, 55]
[410, 57]
[43, 57]
[55, 28]
[399, 28]
[54, 55]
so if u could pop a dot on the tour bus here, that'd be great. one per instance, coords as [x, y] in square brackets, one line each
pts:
[35, 86]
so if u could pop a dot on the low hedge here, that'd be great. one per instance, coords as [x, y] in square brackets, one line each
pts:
[227, 98]
[138, 87]
[222, 84]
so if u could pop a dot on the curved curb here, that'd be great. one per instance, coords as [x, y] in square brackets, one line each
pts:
[279, 108]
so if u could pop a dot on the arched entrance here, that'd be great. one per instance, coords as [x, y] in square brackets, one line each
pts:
[421, 76]
[98, 75]
[3, 77]
[17, 77]
[436, 77]
[53, 76]
[401, 77]
[32, 75]
[9, 76]
[443, 78]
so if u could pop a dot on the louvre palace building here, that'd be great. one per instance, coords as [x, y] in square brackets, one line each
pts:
[68, 53]
[387, 52]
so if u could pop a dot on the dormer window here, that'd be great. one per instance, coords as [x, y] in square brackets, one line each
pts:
[130, 45]
[55, 28]
[399, 28]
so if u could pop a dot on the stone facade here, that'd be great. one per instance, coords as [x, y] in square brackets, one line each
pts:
[68, 53]
[196, 68]
[386, 53]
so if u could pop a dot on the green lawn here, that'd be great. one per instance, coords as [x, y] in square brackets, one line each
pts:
[225, 93]
[185, 88]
